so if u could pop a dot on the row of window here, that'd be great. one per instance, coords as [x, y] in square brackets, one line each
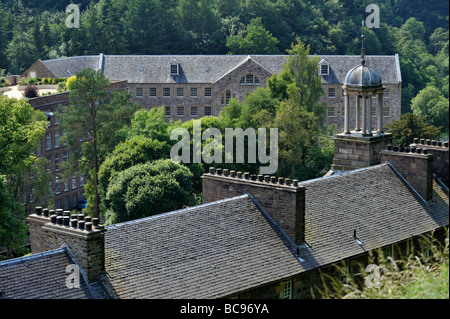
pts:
[69, 199]
[167, 92]
[194, 111]
[66, 185]
[48, 140]
[332, 93]
[331, 112]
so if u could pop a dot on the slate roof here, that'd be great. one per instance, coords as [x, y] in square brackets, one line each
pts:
[208, 251]
[374, 201]
[210, 68]
[43, 276]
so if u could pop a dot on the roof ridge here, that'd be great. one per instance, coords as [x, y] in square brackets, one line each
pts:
[183, 210]
[32, 256]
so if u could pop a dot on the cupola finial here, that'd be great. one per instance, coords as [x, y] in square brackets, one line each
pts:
[363, 51]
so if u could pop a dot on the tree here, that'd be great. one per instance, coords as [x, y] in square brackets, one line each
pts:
[430, 103]
[410, 126]
[94, 117]
[148, 189]
[256, 40]
[21, 128]
[13, 228]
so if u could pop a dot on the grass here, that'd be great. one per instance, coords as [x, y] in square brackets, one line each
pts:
[419, 276]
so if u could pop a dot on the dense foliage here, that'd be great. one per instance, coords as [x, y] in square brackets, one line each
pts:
[417, 30]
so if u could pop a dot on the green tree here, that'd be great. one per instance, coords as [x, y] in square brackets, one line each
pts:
[13, 228]
[148, 189]
[255, 40]
[94, 117]
[410, 126]
[430, 103]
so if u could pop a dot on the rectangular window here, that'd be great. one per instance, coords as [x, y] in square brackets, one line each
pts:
[48, 141]
[373, 111]
[193, 92]
[74, 181]
[50, 189]
[386, 93]
[180, 92]
[208, 92]
[180, 111]
[167, 111]
[66, 185]
[49, 165]
[82, 179]
[174, 69]
[386, 112]
[55, 116]
[331, 111]
[331, 93]
[65, 155]
[139, 92]
[194, 111]
[324, 69]
[66, 202]
[57, 162]
[58, 203]
[57, 186]
[286, 289]
[166, 92]
[208, 111]
[74, 200]
[152, 92]
[56, 139]
[249, 79]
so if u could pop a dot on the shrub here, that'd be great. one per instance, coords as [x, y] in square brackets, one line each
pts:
[31, 91]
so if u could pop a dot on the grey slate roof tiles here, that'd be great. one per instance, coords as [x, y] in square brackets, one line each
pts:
[207, 251]
[209, 68]
[43, 276]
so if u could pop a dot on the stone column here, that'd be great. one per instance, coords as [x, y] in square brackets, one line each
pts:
[369, 126]
[346, 114]
[358, 114]
[364, 111]
[380, 113]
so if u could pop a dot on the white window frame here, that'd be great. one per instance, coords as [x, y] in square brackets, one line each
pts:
[180, 90]
[210, 110]
[165, 90]
[57, 162]
[56, 139]
[327, 70]
[333, 113]
[74, 181]
[177, 69]
[388, 111]
[178, 111]
[331, 95]
[167, 111]
[193, 92]
[194, 114]
[209, 92]
[48, 141]
[150, 91]
[139, 92]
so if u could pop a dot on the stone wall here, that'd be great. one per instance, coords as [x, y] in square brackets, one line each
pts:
[84, 238]
[415, 166]
[284, 202]
[441, 156]
[41, 71]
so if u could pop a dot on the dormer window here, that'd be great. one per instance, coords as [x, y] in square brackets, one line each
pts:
[174, 67]
[324, 67]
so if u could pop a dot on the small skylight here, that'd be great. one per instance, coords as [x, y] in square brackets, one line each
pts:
[207, 69]
[68, 72]
[141, 69]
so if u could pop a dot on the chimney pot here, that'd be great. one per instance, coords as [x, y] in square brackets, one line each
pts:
[211, 170]
[418, 150]
[95, 222]
[416, 140]
[407, 149]
[246, 175]
[439, 143]
[66, 220]
[395, 148]
[45, 212]
[253, 177]
[233, 173]
[74, 222]
[422, 141]
[389, 147]
[428, 141]
[280, 180]
[287, 181]
[413, 149]
[59, 212]
[38, 210]
[433, 142]
[425, 151]
[446, 144]
[267, 178]
[88, 219]
[59, 220]
[88, 226]
[273, 179]
[219, 171]
[80, 216]
[66, 213]
[81, 224]
[53, 219]
[225, 171]
[239, 174]
[260, 178]
[295, 182]
[402, 149]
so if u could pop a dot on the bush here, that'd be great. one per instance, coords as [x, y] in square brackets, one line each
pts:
[31, 91]
[148, 189]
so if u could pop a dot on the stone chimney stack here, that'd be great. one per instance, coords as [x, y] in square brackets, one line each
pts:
[415, 164]
[282, 199]
[84, 236]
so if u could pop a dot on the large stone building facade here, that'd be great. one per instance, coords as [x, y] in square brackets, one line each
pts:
[192, 87]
